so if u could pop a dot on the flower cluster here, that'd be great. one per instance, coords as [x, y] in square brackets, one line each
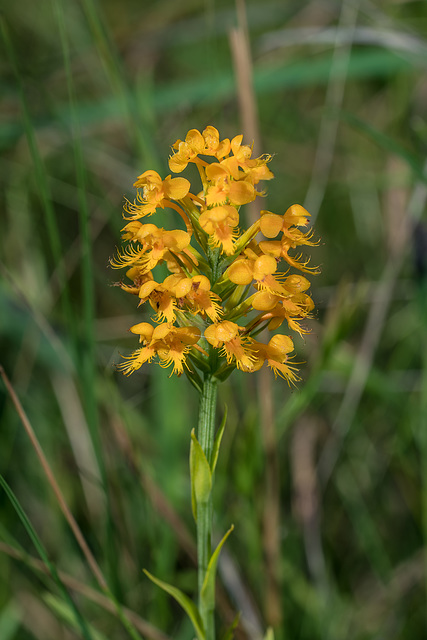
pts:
[224, 286]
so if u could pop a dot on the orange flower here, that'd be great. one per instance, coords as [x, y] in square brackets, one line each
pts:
[276, 353]
[179, 292]
[292, 286]
[280, 249]
[271, 225]
[241, 153]
[156, 193]
[161, 299]
[261, 269]
[187, 151]
[235, 348]
[195, 144]
[197, 295]
[213, 145]
[171, 344]
[220, 223]
[257, 170]
[224, 187]
[155, 243]
[138, 278]
[292, 308]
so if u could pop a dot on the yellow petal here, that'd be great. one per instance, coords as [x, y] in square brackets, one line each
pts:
[271, 224]
[144, 329]
[296, 283]
[183, 288]
[176, 188]
[215, 171]
[147, 288]
[271, 248]
[148, 177]
[202, 282]
[240, 272]
[188, 335]
[264, 301]
[177, 239]
[211, 138]
[223, 148]
[194, 139]
[162, 331]
[241, 192]
[232, 167]
[177, 163]
[226, 331]
[297, 215]
[279, 346]
[264, 265]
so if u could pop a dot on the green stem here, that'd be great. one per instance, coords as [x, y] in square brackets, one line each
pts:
[205, 436]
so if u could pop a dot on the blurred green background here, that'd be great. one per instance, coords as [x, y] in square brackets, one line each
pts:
[328, 487]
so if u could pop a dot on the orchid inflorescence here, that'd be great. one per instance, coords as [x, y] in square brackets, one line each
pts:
[224, 286]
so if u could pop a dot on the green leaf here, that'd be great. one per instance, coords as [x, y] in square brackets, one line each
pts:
[201, 475]
[199, 361]
[185, 602]
[224, 371]
[229, 634]
[269, 634]
[207, 595]
[218, 438]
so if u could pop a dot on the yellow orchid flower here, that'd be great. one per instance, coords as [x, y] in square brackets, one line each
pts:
[195, 293]
[260, 269]
[223, 187]
[157, 192]
[171, 344]
[212, 263]
[276, 353]
[155, 243]
[235, 348]
[220, 223]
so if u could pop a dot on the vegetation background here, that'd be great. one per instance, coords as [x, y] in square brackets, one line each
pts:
[327, 484]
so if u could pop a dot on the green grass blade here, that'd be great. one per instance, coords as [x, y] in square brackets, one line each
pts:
[207, 596]
[229, 634]
[80, 621]
[185, 602]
